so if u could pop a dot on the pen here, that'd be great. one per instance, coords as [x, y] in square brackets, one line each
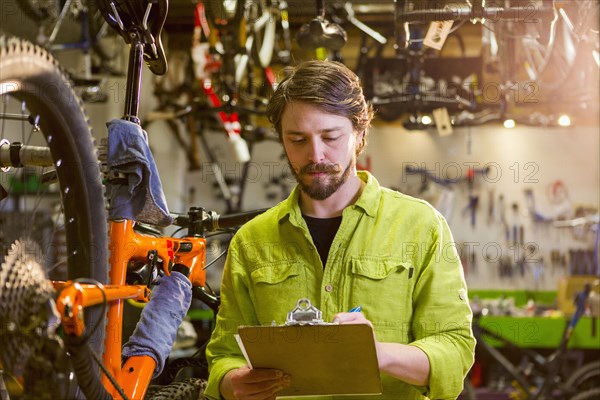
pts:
[356, 309]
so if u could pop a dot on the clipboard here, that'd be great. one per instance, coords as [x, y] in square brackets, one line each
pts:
[322, 358]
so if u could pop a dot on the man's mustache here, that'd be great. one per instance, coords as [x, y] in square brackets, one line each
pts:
[323, 168]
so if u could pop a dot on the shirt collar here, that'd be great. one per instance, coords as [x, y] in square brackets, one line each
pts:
[368, 200]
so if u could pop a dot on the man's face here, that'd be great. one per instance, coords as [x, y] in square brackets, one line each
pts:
[320, 148]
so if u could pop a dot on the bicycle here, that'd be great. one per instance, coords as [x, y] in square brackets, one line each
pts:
[240, 45]
[530, 50]
[89, 303]
[539, 376]
[236, 46]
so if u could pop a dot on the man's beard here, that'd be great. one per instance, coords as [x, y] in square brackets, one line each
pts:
[322, 187]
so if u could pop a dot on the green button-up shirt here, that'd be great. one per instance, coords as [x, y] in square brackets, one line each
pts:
[393, 255]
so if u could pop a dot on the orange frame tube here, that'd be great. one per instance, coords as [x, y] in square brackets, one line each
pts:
[126, 245]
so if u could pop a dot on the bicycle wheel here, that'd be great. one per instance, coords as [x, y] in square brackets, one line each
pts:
[586, 377]
[266, 41]
[188, 389]
[60, 205]
[544, 50]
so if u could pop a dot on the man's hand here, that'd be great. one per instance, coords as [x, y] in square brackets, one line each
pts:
[253, 384]
[351, 318]
[407, 363]
[347, 318]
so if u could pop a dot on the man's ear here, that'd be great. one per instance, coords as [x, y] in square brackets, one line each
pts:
[359, 144]
[359, 136]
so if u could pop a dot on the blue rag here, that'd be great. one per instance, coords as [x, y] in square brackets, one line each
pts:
[156, 330]
[142, 199]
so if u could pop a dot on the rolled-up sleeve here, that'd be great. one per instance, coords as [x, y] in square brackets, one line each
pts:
[442, 316]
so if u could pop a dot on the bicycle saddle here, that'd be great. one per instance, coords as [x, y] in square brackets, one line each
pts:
[140, 21]
[224, 14]
[321, 33]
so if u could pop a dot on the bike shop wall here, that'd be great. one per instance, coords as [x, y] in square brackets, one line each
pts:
[522, 159]
[559, 166]
[501, 246]
[536, 159]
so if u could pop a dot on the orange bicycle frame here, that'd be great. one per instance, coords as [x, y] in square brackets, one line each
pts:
[126, 245]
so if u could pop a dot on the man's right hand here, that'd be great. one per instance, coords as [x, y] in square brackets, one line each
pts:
[253, 384]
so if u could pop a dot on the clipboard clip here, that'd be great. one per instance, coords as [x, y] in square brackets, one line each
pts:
[305, 314]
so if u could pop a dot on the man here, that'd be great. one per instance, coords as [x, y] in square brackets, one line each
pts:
[342, 241]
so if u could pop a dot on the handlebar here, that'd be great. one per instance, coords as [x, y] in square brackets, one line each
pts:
[467, 12]
[234, 220]
[209, 221]
[530, 13]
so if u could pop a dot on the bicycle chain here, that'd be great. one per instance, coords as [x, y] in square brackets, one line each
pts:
[26, 306]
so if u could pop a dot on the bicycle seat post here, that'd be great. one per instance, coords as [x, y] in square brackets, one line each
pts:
[134, 80]
[140, 24]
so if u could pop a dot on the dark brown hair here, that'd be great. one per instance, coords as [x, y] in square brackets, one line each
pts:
[328, 85]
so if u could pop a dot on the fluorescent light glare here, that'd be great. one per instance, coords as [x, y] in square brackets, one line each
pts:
[564, 120]
[509, 123]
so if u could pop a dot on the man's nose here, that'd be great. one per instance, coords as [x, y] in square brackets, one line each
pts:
[316, 151]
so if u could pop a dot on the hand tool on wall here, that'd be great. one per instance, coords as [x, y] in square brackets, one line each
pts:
[530, 201]
[516, 228]
[503, 221]
[473, 260]
[491, 206]
[472, 208]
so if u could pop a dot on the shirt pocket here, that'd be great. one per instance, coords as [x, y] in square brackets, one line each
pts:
[382, 287]
[275, 290]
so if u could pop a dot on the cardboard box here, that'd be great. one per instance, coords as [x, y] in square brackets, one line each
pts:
[568, 287]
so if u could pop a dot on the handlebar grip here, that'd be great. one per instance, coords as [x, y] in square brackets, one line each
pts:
[409, 169]
[213, 221]
[237, 219]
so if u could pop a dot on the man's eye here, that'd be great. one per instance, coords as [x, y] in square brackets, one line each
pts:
[298, 140]
[331, 139]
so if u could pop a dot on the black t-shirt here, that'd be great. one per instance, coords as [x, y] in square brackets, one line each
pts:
[323, 231]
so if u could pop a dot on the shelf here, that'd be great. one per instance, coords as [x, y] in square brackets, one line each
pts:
[542, 332]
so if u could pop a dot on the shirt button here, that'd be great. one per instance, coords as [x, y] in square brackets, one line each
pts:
[328, 288]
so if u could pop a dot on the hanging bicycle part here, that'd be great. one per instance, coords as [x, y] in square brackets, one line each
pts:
[535, 35]
[320, 32]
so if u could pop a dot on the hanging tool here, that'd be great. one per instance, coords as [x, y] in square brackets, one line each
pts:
[321, 33]
[472, 208]
[491, 206]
